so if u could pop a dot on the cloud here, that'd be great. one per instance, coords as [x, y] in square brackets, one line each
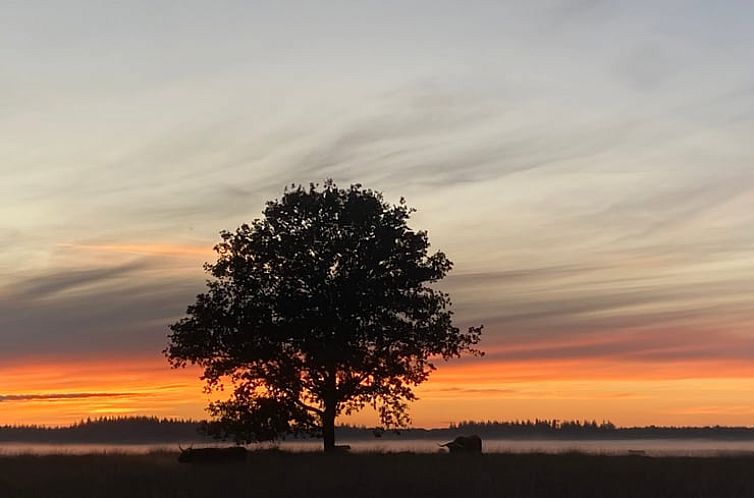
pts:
[4, 398]
[647, 66]
[655, 345]
[715, 410]
[50, 284]
[435, 140]
[122, 309]
[471, 390]
[502, 277]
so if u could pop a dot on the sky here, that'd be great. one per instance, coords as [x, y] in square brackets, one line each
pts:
[588, 166]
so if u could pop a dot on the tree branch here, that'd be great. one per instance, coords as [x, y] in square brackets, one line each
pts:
[309, 408]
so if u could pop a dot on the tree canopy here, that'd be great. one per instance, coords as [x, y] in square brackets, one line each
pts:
[322, 306]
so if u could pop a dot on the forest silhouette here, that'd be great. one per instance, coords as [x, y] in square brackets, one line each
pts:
[155, 430]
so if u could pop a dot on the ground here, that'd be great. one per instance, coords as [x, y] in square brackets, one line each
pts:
[279, 475]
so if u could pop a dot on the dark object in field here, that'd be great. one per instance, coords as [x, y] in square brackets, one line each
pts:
[212, 455]
[342, 448]
[465, 444]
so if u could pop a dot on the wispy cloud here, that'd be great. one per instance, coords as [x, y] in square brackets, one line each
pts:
[124, 309]
[44, 286]
[4, 398]
[471, 390]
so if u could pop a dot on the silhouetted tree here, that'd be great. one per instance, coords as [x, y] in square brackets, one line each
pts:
[319, 308]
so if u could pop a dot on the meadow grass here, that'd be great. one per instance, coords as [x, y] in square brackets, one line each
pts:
[394, 475]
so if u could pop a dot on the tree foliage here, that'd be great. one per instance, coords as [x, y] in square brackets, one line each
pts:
[319, 308]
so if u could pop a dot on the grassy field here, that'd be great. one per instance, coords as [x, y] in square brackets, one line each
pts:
[274, 474]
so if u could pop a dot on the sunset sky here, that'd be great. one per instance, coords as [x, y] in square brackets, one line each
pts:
[588, 165]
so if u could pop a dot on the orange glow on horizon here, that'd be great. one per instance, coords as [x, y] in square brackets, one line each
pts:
[57, 392]
[60, 392]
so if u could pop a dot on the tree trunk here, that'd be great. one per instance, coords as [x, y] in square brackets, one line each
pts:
[330, 409]
[328, 426]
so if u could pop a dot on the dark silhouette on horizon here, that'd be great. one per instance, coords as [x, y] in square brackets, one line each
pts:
[464, 444]
[108, 430]
[321, 307]
[212, 455]
[155, 430]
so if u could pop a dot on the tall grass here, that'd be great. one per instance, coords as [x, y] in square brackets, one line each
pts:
[280, 474]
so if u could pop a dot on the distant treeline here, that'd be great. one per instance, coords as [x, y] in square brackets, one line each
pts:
[157, 430]
[599, 430]
[107, 430]
[556, 429]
